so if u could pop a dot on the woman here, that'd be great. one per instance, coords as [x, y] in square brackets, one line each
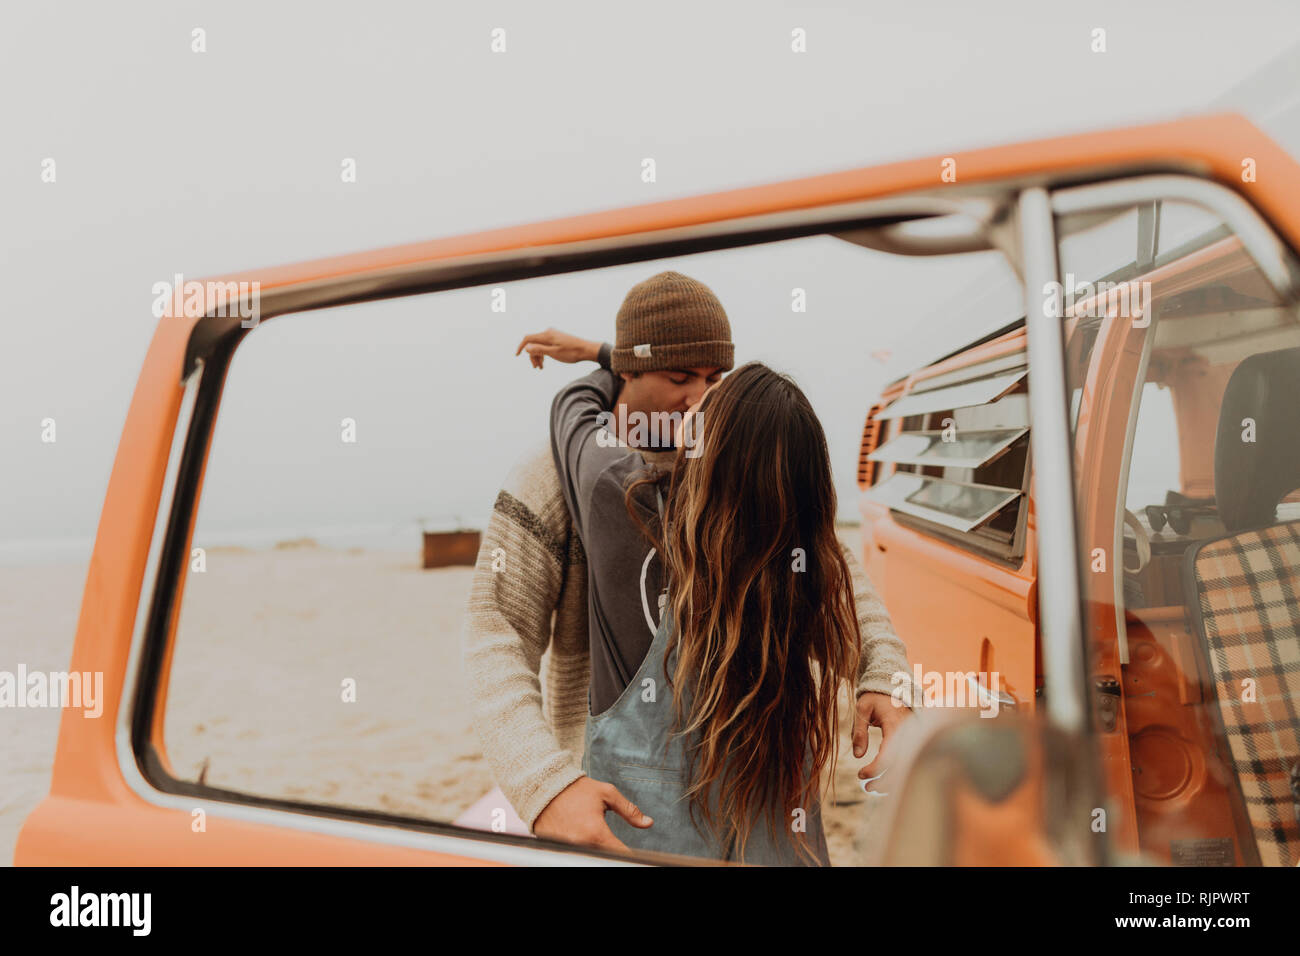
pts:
[729, 718]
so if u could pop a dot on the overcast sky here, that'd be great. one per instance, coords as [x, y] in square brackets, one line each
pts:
[173, 161]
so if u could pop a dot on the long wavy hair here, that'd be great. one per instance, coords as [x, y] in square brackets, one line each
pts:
[762, 601]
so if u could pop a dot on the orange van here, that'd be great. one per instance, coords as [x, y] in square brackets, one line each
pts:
[1086, 516]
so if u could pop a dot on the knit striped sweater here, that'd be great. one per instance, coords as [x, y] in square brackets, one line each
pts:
[526, 628]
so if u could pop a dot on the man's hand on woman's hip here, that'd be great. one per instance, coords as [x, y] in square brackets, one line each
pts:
[577, 815]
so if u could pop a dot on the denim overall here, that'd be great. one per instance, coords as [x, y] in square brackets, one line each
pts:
[630, 746]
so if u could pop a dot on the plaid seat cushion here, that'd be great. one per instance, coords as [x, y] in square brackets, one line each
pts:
[1245, 592]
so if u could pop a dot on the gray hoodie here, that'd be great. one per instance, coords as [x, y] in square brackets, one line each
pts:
[624, 573]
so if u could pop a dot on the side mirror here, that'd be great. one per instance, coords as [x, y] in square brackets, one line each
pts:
[971, 791]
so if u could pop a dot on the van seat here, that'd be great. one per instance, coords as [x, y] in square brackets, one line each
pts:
[1245, 606]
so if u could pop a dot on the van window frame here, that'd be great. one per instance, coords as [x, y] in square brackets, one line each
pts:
[210, 349]
[213, 342]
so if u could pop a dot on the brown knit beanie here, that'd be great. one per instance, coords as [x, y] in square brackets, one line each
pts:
[671, 321]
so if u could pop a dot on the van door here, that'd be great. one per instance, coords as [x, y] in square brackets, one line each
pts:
[949, 519]
[1184, 359]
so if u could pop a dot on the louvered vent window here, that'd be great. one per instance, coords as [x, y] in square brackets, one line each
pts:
[960, 455]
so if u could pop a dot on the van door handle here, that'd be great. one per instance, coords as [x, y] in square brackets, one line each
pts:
[985, 696]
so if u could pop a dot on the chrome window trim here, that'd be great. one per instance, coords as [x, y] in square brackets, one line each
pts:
[1066, 700]
[983, 391]
[127, 702]
[879, 493]
[1003, 363]
[1272, 256]
[1125, 465]
[862, 218]
[1006, 438]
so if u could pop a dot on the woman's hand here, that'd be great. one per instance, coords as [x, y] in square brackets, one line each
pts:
[577, 815]
[560, 346]
[875, 710]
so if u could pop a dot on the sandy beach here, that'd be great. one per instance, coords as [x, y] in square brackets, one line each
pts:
[271, 645]
[38, 620]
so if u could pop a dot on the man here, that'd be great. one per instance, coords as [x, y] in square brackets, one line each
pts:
[529, 594]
